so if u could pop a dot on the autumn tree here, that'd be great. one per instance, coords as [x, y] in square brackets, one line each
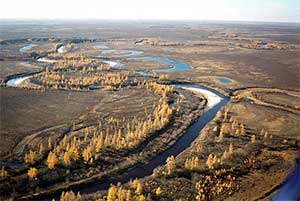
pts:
[50, 143]
[234, 124]
[3, 172]
[212, 160]
[164, 77]
[215, 129]
[225, 128]
[87, 154]
[128, 195]
[227, 154]
[137, 185]
[74, 153]
[32, 172]
[141, 198]
[70, 196]
[158, 191]
[51, 160]
[230, 150]
[237, 131]
[242, 129]
[41, 149]
[253, 139]
[30, 157]
[99, 142]
[220, 137]
[225, 115]
[67, 159]
[170, 164]
[192, 163]
[112, 193]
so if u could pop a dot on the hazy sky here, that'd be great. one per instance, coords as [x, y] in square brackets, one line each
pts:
[250, 10]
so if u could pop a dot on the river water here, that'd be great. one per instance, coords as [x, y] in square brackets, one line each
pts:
[176, 66]
[15, 82]
[124, 53]
[223, 80]
[26, 48]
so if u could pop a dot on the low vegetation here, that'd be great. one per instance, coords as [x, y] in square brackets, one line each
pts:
[79, 121]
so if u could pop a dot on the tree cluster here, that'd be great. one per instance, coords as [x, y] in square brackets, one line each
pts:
[70, 196]
[134, 192]
[192, 163]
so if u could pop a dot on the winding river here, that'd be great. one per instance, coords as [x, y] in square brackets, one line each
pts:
[143, 170]
[215, 102]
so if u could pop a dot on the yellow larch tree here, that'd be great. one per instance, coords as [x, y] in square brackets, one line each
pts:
[74, 153]
[128, 195]
[141, 198]
[30, 157]
[210, 161]
[242, 129]
[112, 193]
[41, 149]
[253, 139]
[50, 143]
[139, 188]
[230, 151]
[70, 196]
[87, 153]
[158, 191]
[32, 172]
[67, 159]
[192, 163]
[170, 165]
[3, 172]
[51, 160]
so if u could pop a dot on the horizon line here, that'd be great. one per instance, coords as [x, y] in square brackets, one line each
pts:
[130, 19]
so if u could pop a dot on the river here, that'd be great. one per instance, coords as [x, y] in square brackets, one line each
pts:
[146, 169]
[27, 47]
[215, 101]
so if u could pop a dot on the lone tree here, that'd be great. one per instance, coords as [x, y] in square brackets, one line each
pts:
[210, 161]
[170, 164]
[158, 191]
[32, 172]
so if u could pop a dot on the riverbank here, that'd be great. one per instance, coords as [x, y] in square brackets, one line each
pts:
[249, 161]
[158, 143]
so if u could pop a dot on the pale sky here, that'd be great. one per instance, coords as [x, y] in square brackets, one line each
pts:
[249, 10]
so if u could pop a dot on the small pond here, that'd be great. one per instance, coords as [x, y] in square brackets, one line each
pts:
[223, 80]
